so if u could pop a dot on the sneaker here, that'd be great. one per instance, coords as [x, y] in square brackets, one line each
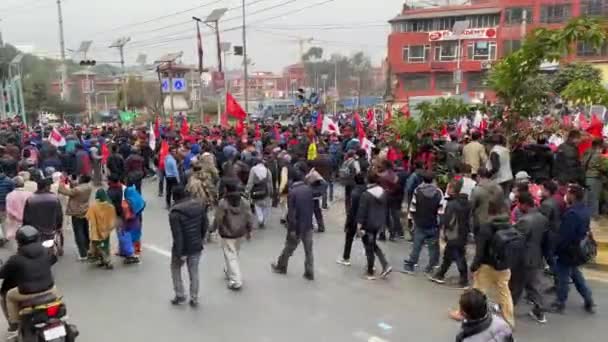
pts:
[437, 279]
[193, 303]
[233, 286]
[408, 269]
[386, 272]
[557, 308]
[343, 262]
[539, 317]
[590, 308]
[178, 300]
[276, 269]
[12, 335]
[82, 259]
[371, 277]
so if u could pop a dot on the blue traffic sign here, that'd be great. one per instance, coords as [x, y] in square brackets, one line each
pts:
[179, 84]
[165, 85]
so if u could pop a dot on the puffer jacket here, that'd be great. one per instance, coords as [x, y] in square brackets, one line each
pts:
[489, 329]
[372, 208]
[189, 224]
[233, 216]
[30, 269]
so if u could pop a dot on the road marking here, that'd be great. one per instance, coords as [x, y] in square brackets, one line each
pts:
[157, 250]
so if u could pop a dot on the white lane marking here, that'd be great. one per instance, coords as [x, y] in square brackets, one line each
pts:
[157, 250]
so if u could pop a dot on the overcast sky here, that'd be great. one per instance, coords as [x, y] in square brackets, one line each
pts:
[272, 33]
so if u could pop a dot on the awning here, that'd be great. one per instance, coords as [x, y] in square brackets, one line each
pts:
[442, 13]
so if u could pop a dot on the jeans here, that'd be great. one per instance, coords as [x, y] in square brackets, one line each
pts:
[318, 213]
[594, 191]
[192, 262]
[171, 182]
[161, 181]
[348, 191]
[394, 219]
[454, 253]
[530, 280]
[431, 238]
[262, 212]
[291, 243]
[372, 250]
[564, 274]
[231, 248]
[493, 282]
[330, 191]
[348, 242]
[81, 235]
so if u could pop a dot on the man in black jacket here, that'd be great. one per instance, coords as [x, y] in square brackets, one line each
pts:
[299, 225]
[455, 223]
[372, 210]
[350, 227]
[188, 227]
[551, 209]
[28, 273]
[567, 167]
[527, 271]
[43, 210]
[116, 164]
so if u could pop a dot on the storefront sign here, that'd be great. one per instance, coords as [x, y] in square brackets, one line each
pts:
[474, 33]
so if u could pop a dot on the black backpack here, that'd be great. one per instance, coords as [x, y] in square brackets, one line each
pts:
[583, 251]
[506, 247]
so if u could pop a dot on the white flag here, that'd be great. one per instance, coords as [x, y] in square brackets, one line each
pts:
[367, 146]
[329, 126]
[56, 139]
[152, 139]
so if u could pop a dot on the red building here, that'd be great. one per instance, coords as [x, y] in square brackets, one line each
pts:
[425, 55]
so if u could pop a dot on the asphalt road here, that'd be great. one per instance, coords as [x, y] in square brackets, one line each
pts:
[131, 303]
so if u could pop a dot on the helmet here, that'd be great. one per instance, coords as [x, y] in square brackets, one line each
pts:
[26, 235]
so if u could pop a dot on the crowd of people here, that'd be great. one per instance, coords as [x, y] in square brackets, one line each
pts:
[522, 219]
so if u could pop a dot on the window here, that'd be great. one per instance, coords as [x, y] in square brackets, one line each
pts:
[423, 25]
[446, 51]
[594, 7]
[515, 15]
[510, 46]
[481, 51]
[416, 53]
[475, 81]
[417, 81]
[445, 81]
[554, 13]
[587, 50]
[486, 20]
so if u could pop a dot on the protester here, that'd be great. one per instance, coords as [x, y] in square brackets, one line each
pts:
[189, 224]
[233, 221]
[485, 192]
[350, 226]
[78, 204]
[592, 165]
[479, 323]
[135, 169]
[299, 226]
[171, 174]
[15, 204]
[116, 164]
[499, 163]
[350, 167]
[43, 211]
[259, 188]
[474, 153]
[6, 186]
[101, 217]
[567, 167]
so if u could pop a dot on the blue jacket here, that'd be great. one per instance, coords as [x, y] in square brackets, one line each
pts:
[573, 228]
[171, 170]
[6, 186]
[194, 151]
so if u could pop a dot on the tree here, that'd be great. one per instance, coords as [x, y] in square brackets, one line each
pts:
[586, 93]
[575, 71]
[135, 94]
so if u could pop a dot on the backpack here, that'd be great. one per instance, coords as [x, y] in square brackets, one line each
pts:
[347, 172]
[259, 191]
[506, 246]
[583, 251]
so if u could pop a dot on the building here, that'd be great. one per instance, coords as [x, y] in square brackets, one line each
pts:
[102, 90]
[424, 54]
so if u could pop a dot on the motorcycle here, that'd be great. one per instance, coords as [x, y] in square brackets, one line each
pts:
[44, 319]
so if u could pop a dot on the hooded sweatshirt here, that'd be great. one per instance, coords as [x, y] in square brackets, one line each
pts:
[29, 270]
[372, 208]
[189, 224]
[233, 216]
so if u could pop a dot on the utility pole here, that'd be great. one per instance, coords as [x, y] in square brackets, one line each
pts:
[336, 85]
[214, 18]
[2, 104]
[245, 62]
[64, 68]
[120, 44]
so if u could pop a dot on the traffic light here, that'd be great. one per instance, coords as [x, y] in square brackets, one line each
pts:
[88, 62]
[238, 50]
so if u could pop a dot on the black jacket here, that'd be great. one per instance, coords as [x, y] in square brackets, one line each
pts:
[29, 270]
[299, 208]
[550, 208]
[233, 216]
[540, 159]
[351, 215]
[116, 165]
[483, 240]
[371, 214]
[533, 226]
[189, 224]
[567, 167]
[43, 212]
[456, 220]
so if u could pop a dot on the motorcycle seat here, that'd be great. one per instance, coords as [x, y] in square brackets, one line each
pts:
[38, 300]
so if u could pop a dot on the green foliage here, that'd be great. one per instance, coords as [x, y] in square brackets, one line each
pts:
[585, 92]
[575, 71]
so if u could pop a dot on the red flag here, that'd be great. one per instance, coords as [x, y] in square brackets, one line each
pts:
[370, 115]
[584, 145]
[483, 127]
[582, 121]
[157, 127]
[239, 128]
[595, 127]
[444, 132]
[234, 108]
[164, 151]
[105, 153]
[258, 133]
[359, 126]
[319, 120]
[185, 129]
[171, 122]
